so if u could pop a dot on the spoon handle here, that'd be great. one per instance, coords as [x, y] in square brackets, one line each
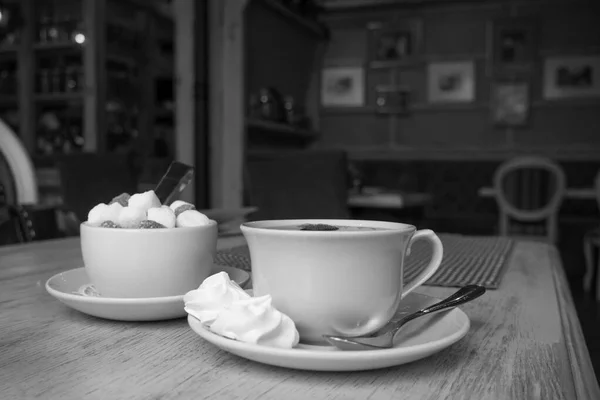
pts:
[177, 177]
[461, 296]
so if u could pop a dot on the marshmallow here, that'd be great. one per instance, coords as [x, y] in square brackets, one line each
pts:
[144, 201]
[163, 215]
[112, 212]
[192, 218]
[130, 217]
[178, 203]
[96, 214]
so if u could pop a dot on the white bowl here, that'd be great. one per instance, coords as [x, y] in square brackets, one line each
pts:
[141, 263]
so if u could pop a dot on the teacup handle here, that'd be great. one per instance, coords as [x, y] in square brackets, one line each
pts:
[434, 263]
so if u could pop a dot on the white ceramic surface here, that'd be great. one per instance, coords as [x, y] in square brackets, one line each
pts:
[142, 263]
[346, 283]
[418, 339]
[65, 285]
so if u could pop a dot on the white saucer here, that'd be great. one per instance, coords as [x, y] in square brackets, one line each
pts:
[418, 339]
[72, 288]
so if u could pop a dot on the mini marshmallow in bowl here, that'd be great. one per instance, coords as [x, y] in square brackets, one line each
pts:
[164, 215]
[130, 217]
[96, 214]
[192, 218]
[144, 201]
[113, 212]
[144, 211]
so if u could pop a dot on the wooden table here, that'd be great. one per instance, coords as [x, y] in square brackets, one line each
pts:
[525, 342]
[570, 193]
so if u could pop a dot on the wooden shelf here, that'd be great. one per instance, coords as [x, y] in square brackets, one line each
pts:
[281, 129]
[57, 46]
[165, 12]
[416, 61]
[57, 97]
[86, 107]
[8, 100]
[347, 5]
[11, 49]
[293, 16]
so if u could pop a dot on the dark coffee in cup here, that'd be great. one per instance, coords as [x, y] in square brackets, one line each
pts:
[325, 227]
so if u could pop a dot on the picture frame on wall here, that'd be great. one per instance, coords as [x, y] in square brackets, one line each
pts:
[393, 43]
[451, 82]
[343, 87]
[510, 103]
[571, 77]
[512, 43]
[392, 99]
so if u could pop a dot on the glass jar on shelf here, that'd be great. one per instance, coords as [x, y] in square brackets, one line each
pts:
[44, 19]
[56, 79]
[8, 78]
[43, 81]
[72, 81]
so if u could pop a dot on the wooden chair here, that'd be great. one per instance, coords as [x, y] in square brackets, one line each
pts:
[298, 184]
[15, 224]
[20, 168]
[591, 244]
[526, 197]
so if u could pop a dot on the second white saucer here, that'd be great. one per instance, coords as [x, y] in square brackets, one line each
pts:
[66, 287]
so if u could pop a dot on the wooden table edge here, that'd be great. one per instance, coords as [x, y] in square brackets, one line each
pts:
[584, 379]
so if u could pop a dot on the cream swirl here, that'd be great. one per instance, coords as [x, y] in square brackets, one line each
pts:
[255, 320]
[228, 310]
[216, 292]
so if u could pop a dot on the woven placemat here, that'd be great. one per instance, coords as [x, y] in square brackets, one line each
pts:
[468, 260]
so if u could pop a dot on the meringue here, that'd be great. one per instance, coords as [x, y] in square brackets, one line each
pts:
[215, 293]
[224, 307]
[255, 320]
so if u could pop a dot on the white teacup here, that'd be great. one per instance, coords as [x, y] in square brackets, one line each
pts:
[340, 282]
[142, 263]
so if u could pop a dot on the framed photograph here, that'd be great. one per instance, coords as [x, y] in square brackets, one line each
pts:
[392, 44]
[343, 87]
[510, 103]
[392, 99]
[451, 82]
[512, 43]
[571, 77]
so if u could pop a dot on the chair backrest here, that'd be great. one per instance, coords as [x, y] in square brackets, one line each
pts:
[15, 224]
[20, 165]
[597, 188]
[88, 179]
[524, 195]
[298, 184]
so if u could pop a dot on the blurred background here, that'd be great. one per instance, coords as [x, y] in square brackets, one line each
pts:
[401, 110]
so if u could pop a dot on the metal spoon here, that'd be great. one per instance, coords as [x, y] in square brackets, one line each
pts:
[176, 178]
[384, 338]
